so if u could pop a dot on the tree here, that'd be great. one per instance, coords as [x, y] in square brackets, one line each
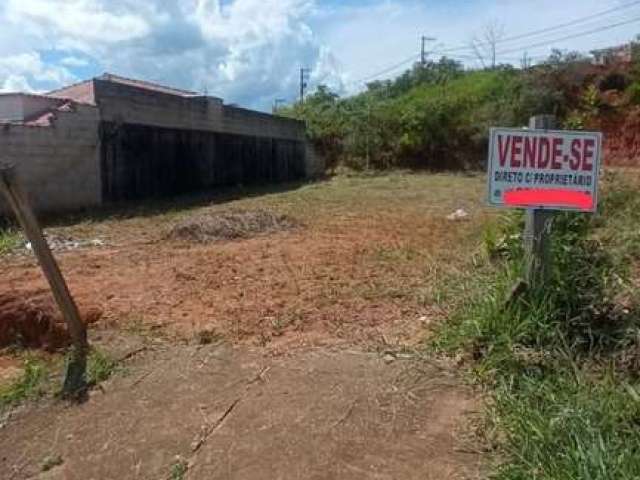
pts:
[485, 47]
[322, 112]
[635, 58]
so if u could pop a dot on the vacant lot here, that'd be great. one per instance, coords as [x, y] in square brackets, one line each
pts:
[356, 260]
[263, 334]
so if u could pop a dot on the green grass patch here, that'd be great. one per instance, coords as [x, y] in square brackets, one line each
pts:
[41, 378]
[561, 362]
[9, 240]
[562, 424]
[100, 367]
[179, 469]
[32, 384]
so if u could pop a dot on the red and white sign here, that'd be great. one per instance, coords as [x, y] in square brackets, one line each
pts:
[543, 169]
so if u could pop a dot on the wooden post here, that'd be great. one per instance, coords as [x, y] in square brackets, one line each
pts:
[75, 378]
[538, 222]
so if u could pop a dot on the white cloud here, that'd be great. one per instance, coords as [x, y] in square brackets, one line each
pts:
[74, 62]
[18, 72]
[250, 51]
[247, 51]
[15, 83]
[79, 22]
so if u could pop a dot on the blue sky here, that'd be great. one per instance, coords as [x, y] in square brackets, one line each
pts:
[250, 51]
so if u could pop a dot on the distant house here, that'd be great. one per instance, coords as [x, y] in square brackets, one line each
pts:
[112, 139]
[612, 55]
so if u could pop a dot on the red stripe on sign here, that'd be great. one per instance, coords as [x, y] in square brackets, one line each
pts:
[548, 197]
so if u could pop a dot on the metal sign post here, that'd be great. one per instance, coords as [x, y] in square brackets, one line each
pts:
[537, 246]
[543, 170]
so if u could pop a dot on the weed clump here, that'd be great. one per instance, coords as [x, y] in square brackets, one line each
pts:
[32, 384]
[179, 468]
[10, 240]
[100, 367]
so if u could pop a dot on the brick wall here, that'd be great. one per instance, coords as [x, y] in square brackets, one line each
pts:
[57, 165]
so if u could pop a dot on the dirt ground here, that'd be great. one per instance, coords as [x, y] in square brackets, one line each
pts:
[236, 414]
[365, 263]
[301, 387]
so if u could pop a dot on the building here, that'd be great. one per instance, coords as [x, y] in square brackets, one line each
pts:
[613, 55]
[112, 139]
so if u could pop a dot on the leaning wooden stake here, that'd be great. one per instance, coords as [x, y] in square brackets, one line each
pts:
[538, 222]
[75, 378]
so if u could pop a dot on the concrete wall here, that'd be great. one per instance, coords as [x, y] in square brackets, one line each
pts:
[62, 165]
[140, 161]
[11, 109]
[57, 165]
[80, 92]
[33, 105]
[126, 104]
[17, 107]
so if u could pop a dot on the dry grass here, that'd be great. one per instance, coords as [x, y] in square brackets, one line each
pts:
[230, 226]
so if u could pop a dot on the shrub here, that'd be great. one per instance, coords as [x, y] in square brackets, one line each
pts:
[614, 81]
[634, 93]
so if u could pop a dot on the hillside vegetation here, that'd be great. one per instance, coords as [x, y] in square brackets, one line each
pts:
[438, 115]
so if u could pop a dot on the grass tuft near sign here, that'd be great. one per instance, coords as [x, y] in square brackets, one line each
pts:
[544, 169]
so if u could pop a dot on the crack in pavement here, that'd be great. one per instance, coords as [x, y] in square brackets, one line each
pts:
[215, 426]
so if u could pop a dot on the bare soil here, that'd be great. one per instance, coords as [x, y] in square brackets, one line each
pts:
[622, 141]
[34, 321]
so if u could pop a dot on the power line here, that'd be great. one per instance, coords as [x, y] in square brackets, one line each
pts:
[570, 37]
[512, 50]
[462, 57]
[552, 28]
[388, 69]
[550, 38]
[423, 52]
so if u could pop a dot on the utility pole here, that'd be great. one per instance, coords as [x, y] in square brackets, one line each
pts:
[423, 51]
[304, 78]
[277, 103]
[537, 225]
[525, 62]
[368, 134]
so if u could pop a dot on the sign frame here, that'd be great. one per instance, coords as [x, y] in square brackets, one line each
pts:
[577, 133]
